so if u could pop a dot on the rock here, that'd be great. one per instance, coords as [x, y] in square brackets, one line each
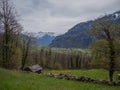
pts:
[51, 75]
[118, 83]
[87, 79]
[112, 83]
[96, 81]
[80, 78]
[91, 79]
[67, 77]
[104, 82]
[77, 78]
[59, 76]
[101, 81]
[118, 76]
[72, 77]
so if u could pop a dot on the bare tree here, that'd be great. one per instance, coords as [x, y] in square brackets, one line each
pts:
[9, 26]
[26, 43]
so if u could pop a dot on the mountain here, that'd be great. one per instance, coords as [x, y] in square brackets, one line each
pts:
[76, 37]
[43, 38]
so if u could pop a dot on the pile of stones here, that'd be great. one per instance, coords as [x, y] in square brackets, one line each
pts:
[82, 79]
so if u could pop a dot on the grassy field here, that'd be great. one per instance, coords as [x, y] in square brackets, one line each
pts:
[63, 50]
[12, 80]
[94, 73]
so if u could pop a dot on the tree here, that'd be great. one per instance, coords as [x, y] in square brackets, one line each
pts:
[10, 28]
[26, 42]
[109, 31]
[100, 54]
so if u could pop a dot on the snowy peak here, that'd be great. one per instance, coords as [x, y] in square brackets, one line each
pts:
[117, 14]
[43, 38]
[114, 16]
[42, 34]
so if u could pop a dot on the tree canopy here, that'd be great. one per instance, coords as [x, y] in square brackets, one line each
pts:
[109, 31]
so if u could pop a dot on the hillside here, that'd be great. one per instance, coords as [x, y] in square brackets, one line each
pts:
[76, 37]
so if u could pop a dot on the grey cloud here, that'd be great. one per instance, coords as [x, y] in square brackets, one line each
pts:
[81, 8]
[60, 15]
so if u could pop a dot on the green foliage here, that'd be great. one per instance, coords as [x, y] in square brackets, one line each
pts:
[60, 58]
[16, 59]
[109, 31]
[100, 54]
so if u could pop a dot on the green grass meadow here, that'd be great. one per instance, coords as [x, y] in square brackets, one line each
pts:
[13, 80]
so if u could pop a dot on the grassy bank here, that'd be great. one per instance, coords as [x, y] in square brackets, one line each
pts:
[12, 80]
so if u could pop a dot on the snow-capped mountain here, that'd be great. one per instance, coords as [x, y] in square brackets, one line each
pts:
[43, 38]
[115, 16]
[42, 34]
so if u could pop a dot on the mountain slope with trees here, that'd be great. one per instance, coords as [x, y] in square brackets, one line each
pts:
[76, 37]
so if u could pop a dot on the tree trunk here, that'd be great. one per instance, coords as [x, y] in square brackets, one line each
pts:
[111, 54]
[25, 52]
[112, 60]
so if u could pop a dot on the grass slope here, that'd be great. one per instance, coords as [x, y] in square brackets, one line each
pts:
[11, 80]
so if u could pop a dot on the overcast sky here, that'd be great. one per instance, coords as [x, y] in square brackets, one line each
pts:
[60, 15]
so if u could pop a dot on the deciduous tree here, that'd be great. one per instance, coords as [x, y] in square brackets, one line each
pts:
[9, 28]
[109, 31]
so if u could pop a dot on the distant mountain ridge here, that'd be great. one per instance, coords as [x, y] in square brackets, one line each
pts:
[76, 37]
[42, 38]
[42, 34]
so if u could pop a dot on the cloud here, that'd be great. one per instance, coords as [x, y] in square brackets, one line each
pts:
[60, 15]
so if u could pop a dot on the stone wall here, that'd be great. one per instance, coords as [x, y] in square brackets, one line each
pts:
[82, 79]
